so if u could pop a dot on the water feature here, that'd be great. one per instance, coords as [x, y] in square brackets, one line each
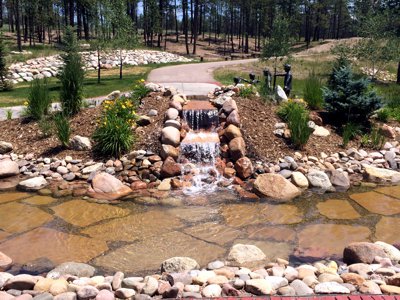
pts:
[134, 238]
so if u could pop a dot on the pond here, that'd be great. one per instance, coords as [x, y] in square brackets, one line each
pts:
[136, 238]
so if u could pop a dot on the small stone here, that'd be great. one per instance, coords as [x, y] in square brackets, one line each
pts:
[321, 131]
[215, 265]
[287, 291]
[123, 293]
[277, 282]
[20, 282]
[370, 287]
[150, 285]
[331, 288]
[353, 278]
[179, 264]
[212, 290]
[5, 147]
[245, 254]
[390, 289]
[392, 252]
[44, 296]
[72, 268]
[87, 292]
[300, 288]
[258, 287]
[117, 280]
[80, 143]
[319, 179]
[299, 179]
[66, 296]
[5, 262]
[59, 286]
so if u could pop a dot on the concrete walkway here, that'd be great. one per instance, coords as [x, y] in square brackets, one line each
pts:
[192, 79]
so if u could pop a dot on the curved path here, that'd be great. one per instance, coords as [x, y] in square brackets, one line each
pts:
[192, 79]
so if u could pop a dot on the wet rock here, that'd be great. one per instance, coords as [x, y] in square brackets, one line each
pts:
[245, 254]
[107, 187]
[237, 148]
[80, 143]
[20, 282]
[258, 287]
[362, 252]
[170, 168]
[319, 179]
[168, 150]
[233, 118]
[232, 132]
[212, 290]
[331, 288]
[179, 264]
[8, 168]
[337, 209]
[374, 173]
[72, 268]
[5, 262]
[340, 179]
[300, 180]
[5, 147]
[244, 167]
[300, 288]
[276, 187]
[170, 136]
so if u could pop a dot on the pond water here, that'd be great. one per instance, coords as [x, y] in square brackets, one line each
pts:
[135, 238]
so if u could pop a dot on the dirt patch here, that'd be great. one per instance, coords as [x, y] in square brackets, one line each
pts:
[27, 137]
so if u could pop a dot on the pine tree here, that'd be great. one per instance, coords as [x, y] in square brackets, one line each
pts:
[72, 75]
[5, 85]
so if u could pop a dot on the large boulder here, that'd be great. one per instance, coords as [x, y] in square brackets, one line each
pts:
[170, 136]
[280, 94]
[362, 252]
[340, 179]
[80, 143]
[237, 148]
[179, 264]
[244, 167]
[8, 168]
[170, 168]
[241, 254]
[319, 179]
[107, 187]
[32, 184]
[168, 150]
[233, 118]
[392, 252]
[299, 179]
[229, 106]
[276, 187]
[72, 268]
[374, 173]
[232, 132]
[5, 147]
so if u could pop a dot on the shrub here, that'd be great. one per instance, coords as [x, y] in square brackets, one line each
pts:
[350, 99]
[9, 114]
[246, 91]
[63, 129]
[113, 136]
[38, 100]
[350, 131]
[5, 85]
[71, 76]
[383, 114]
[285, 108]
[374, 140]
[139, 92]
[313, 92]
[297, 118]
[46, 126]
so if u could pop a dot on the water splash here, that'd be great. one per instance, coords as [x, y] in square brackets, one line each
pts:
[200, 119]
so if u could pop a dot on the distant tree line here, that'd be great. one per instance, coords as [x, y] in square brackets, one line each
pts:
[249, 22]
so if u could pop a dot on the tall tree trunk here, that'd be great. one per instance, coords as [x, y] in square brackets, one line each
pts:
[17, 25]
[398, 73]
[71, 13]
[176, 22]
[79, 20]
[185, 23]
[1, 14]
[195, 25]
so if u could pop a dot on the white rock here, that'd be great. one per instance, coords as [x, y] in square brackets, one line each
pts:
[212, 290]
[299, 179]
[33, 184]
[321, 131]
[331, 288]
[280, 94]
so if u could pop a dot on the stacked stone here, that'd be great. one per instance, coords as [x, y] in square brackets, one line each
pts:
[50, 66]
[372, 268]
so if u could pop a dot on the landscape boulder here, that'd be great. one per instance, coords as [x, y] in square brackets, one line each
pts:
[8, 168]
[362, 252]
[237, 148]
[107, 187]
[229, 106]
[244, 167]
[5, 147]
[168, 150]
[32, 184]
[170, 168]
[248, 255]
[233, 118]
[319, 179]
[232, 132]
[276, 187]
[170, 136]
[179, 264]
[80, 143]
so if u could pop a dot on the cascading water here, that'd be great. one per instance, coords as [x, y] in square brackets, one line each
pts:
[200, 147]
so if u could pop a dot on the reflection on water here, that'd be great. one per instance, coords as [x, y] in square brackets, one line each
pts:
[135, 237]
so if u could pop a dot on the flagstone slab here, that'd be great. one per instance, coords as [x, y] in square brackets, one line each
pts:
[387, 230]
[3, 235]
[39, 200]
[9, 197]
[377, 203]
[151, 252]
[272, 250]
[239, 215]
[329, 240]
[279, 233]
[134, 227]
[194, 214]
[337, 209]
[393, 191]
[57, 246]
[82, 213]
[17, 217]
[214, 233]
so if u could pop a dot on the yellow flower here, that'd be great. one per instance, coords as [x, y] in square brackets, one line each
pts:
[141, 80]
[123, 106]
[26, 103]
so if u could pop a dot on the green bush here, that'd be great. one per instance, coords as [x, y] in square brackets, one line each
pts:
[38, 100]
[113, 137]
[349, 99]
[71, 76]
[246, 91]
[313, 92]
[139, 92]
[9, 114]
[375, 139]
[46, 126]
[286, 107]
[298, 119]
[350, 131]
[383, 114]
[63, 129]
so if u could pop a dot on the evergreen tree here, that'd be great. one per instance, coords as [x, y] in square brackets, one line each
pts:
[72, 75]
[4, 84]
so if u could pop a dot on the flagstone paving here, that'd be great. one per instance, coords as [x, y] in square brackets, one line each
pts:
[39, 200]
[8, 197]
[214, 233]
[279, 233]
[272, 250]
[377, 203]
[387, 230]
[337, 209]
[393, 191]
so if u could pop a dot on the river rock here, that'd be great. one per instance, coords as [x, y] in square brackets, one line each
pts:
[258, 287]
[5, 262]
[229, 106]
[353, 278]
[107, 187]
[170, 136]
[245, 254]
[66, 296]
[362, 252]
[244, 167]
[117, 280]
[5, 147]
[299, 179]
[237, 148]
[168, 150]
[390, 289]
[392, 252]
[280, 94]
[87, 292]
[72, 268]
[276, 187]
[124, 293]
[276, 281]
[340, 179]
[8, 168]
[59, 286]
[179, 264]
[212, 290]
[321, 131]
[233, 118]
[300, 288]
[20, 282]
[331, 288]
[150, 285]
[380, 173]
[171, 114]
[370, 287]
[170, 168]
[43, 296]
[319, 179]
[80, 143]
[32, 184]
[105, 295]
[232, 132]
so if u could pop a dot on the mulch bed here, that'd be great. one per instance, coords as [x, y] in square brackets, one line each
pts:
[26, 136]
